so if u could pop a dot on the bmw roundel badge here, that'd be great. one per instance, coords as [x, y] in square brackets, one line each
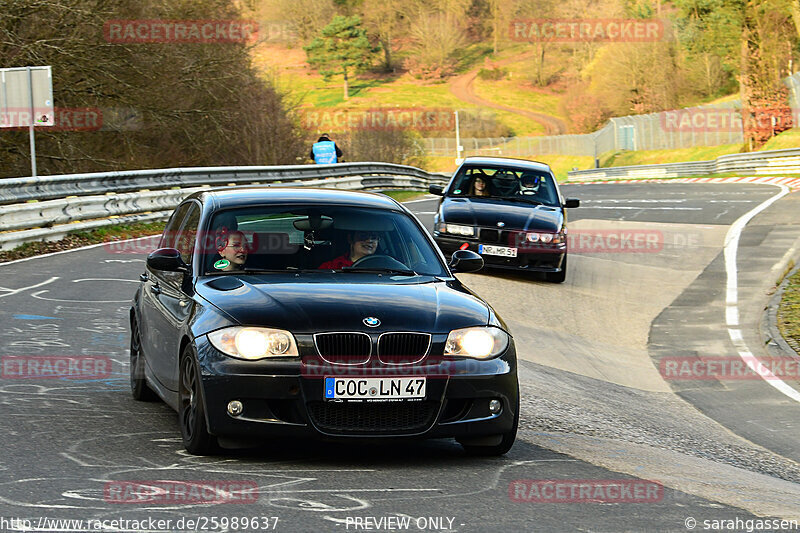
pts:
[372, 322]
[501, 224]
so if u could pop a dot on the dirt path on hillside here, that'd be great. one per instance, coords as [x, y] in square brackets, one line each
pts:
[462, 88]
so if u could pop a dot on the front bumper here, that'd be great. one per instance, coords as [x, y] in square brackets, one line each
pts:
[285, 399]
[532, 259]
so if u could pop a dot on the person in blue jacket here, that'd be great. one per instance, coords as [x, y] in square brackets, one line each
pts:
[325, 150]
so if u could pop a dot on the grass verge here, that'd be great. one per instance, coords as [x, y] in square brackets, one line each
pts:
[404, 196]
[84, 238]
[658, 157]
[787, 139]
[561, 164]
[789, 312]
[643, 178]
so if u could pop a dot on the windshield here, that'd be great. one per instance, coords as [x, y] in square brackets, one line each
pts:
[317, 239]
[508, 183]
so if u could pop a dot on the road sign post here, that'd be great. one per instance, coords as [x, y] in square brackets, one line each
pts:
[26, 100]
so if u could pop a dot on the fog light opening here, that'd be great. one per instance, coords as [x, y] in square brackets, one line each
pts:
[495, 406]
[235, 408]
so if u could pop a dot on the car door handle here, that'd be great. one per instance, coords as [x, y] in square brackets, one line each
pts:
[155, 289]
[143, 277]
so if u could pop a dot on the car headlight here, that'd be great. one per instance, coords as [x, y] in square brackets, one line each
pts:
[457, 229]
[545, 238]
[253, 343]
[477, 342]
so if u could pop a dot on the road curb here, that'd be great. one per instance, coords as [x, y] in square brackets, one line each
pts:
[769, 326]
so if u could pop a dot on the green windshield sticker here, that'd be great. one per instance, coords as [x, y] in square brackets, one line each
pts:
[222, 264]
[457, 191]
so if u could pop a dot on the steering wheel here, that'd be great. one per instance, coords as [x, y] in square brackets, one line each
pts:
[379, 261]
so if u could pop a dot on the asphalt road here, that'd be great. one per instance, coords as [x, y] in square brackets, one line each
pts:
[595, 405]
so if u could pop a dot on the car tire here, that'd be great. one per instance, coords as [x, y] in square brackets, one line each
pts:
[140, 390]
[191, 408]
[502, 448]
[558, 277]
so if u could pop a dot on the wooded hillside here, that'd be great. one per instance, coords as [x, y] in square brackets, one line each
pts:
[160, 104]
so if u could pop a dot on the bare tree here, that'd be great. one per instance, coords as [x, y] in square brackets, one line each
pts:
[438, 32]
[307, 16]
[384, 19]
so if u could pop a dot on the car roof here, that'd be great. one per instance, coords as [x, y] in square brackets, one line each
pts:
[506, 161]
[227, 197]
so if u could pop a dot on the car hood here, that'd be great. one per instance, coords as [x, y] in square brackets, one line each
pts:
[340, 302]
[488, 212]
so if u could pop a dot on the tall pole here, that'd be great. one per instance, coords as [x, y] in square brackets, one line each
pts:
[30, 125]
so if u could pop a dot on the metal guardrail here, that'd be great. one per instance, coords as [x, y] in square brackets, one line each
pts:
[14, 190]
[50, 207]
[768, 162]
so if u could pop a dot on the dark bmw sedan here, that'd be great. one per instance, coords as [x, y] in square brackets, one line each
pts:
[295, 313]
[510, 211]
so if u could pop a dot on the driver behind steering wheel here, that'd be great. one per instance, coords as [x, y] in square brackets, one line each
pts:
[362, 244]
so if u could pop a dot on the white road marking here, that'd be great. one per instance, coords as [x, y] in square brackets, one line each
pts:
[89, 247]
[10, 292]
[351, 490]
[428, 198]
[310, 505]
[660, 201]
[644, 208]
[732, 298]
[38, 294]
[105, 279]
[38, 297]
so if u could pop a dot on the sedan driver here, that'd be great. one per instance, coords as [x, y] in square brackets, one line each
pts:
[362, 244]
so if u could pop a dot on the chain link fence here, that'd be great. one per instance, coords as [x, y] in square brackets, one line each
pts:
[707, 125]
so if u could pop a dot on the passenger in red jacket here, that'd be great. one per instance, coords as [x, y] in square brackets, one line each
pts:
[362, 244]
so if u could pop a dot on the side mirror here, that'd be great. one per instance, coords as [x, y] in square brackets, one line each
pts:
[168, 260]
[438, 190]
[572, 202]
[465, 261]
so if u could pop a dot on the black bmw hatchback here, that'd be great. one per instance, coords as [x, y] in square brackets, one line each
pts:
[272, 312]
[510, 211]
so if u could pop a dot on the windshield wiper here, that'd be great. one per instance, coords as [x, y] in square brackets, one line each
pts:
[250, 271]
[521, 199]
[402, 271]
